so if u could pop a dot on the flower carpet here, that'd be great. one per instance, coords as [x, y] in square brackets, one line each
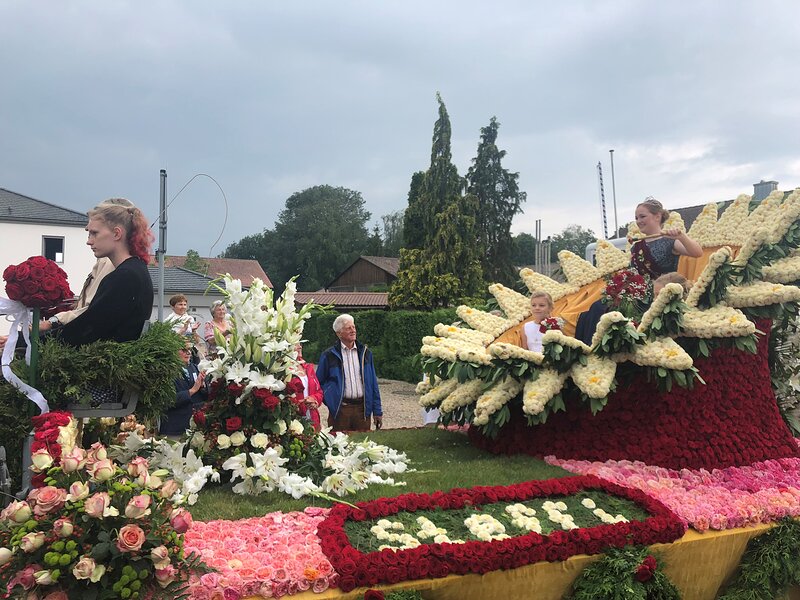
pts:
[718, 499]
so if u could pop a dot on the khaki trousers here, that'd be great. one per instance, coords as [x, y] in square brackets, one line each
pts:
[350, 418]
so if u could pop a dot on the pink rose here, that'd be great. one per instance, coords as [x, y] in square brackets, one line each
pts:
[31, 542]
[25, 577]
[78, 491]
[17, 511]
[138, 507]
[84, 568]
[47, 499]
[96, 452]
[63, 527]
[168, 489]
[181, 520]
[97, 505]
[165, 576]
[102, 470]
[130, 539]
[138, 466]
[210, 580]
[41, 460]
[160, 557]
[73, 460]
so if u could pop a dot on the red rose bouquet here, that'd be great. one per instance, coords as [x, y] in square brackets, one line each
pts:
[628, 292]
[550, 324]
[38, 283]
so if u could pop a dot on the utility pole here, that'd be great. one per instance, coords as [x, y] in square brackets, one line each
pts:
[614, 193]
[602, 199]
[162, 242]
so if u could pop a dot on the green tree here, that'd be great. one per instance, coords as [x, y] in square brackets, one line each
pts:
[393, 233]
[195, 263]
[320, 231]
[499, 200]
[413, 217]
[446, 267]
[574, 238]
[258, 246]
[523, 249]
[374, 245]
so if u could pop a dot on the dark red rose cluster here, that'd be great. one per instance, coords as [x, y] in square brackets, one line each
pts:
[732, 420]
[37, 283]
[646, 570]
[45, 435]
[358, 569]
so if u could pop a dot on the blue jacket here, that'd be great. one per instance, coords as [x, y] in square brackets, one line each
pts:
[331, 378]
[176, 420]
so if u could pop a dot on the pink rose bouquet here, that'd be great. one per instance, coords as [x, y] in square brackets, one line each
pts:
[95, 529]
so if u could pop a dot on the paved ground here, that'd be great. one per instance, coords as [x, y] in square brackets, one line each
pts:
[400, 405]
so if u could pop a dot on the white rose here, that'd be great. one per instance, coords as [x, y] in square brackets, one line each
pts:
[281, 427]
[223, 441]
[296, 427]
[237, 439]
[259, 440]
[198, 439]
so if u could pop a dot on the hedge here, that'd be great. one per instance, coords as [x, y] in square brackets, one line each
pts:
[393, 336]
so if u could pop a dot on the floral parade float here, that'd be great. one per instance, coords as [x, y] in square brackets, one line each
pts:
[687, 386]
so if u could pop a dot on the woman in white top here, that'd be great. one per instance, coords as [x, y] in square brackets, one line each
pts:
[541, 306]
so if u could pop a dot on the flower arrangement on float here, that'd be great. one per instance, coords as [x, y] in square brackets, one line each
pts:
[627, 292]
[95, 529]
[252, 430]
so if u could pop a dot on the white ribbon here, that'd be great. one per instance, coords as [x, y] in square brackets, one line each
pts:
[20, 319]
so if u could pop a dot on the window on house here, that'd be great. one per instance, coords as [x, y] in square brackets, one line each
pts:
[53, 248]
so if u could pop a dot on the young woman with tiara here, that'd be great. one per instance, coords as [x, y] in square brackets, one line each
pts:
[124, 298]
[657, 253]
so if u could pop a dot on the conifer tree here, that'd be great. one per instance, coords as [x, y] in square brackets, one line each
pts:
[440, 263]
[499, 200]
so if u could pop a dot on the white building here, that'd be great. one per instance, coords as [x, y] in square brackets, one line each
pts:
[30, 227]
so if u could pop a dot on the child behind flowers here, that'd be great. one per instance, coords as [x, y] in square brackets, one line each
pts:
[541, 306]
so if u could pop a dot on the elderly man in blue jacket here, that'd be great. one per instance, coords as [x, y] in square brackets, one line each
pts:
[347, 376]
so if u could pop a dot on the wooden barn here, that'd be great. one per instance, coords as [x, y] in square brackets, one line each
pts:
[365, 274]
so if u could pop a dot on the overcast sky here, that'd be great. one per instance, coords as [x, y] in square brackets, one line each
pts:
[699, 100]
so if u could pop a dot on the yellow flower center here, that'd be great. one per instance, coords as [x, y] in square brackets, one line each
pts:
[594, 380]
[672, 353]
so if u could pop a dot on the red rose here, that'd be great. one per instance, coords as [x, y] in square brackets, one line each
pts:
[23, 272]
[10, 272]
[294, 386]
[49, 284]
[30, 287]
[38, 261]
[646, 570]
[373, 595]
[233, 424]
[14, 291]
[37, 273]
[235, 389]
[268, 400]
[51, 268]
[200, 418]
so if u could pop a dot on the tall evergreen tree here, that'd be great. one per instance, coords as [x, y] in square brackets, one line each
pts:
[445, 266]
[413, 217]
[499, 200]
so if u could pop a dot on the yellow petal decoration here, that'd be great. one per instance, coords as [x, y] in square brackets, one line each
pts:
[536, 394]
[494, 399]
[596, 377]
[731, 227]
[609, 258]
[483, 321]
[506, 351]
[463, 395]
[761, 293]
[785, 270]
[516, 306]
[537, 282]
[577, 271]
[715, 261]
[718, 321]
[663, 352]
[666, 295]
[703, 229]
[462, 333]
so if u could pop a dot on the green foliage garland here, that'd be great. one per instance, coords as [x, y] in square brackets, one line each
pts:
[770, 565]
[620, 575]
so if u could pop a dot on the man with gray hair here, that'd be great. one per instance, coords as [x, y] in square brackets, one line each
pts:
[346, 373]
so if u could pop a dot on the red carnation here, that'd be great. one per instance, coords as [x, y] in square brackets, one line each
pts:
[233, 424]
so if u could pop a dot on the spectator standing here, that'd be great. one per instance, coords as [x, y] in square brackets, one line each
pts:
[312, 391]
[219, 322]
[346, 373]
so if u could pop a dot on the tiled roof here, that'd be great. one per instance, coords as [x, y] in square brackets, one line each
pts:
[345, 299]
[17, 208]
[388, 263]
[178, 280]
[240, 268]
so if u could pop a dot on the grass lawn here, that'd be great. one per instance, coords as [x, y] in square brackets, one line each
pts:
[442, 459]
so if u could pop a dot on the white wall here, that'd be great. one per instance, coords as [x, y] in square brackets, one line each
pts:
[19, 241]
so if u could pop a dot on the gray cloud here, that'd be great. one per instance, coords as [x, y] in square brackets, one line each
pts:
[698, 99]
